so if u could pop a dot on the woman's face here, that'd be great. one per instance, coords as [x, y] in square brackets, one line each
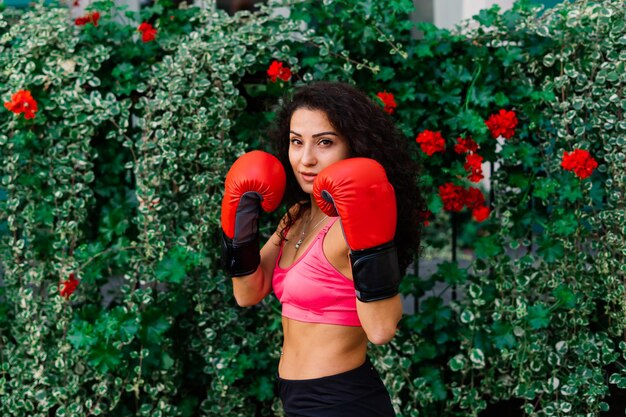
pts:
[313, 145]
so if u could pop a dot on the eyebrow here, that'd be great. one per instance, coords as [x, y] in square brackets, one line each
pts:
[317, 134]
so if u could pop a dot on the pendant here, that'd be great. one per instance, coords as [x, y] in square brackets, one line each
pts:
[299, 243]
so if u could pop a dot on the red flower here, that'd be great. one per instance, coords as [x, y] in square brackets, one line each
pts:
[453, 196]
[481, 213]
[431, 142]
[474, 198]
[473, 165]
[502, 124]
[579, 161]
[88, 18]
[22, 102]
[68, 286]
[148, 32]
[388, 100]
[277, 70]
[465, 145]
[475, 176]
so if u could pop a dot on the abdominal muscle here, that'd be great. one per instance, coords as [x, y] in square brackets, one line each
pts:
[313, 350]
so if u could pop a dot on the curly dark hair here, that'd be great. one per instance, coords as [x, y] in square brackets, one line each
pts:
[371, 133]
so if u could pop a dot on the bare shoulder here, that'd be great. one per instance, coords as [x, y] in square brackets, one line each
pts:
[335, 235]
[336, 249]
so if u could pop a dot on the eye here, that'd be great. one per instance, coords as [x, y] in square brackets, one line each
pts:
[295, 141]
[325, 142]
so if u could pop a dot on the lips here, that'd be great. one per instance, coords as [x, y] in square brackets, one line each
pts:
[308, 176]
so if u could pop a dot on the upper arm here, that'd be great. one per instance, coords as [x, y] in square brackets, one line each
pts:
[380, 318]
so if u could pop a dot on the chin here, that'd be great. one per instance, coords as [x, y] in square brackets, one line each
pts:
[307, 188]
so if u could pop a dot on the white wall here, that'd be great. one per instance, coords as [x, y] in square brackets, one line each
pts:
[448, 13]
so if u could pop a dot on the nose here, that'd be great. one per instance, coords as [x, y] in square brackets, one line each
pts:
[308, 156]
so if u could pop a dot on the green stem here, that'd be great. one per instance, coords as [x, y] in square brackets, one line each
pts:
[81, 267]
[403, 54]
[471, 87]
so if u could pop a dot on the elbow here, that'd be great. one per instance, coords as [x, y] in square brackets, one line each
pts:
[243, 303]
[381, 336]
[246, 301]
[248, 291]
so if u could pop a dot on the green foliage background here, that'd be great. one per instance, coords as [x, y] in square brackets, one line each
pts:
[118, 179]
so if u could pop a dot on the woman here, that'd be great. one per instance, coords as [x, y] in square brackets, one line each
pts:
[336, 276]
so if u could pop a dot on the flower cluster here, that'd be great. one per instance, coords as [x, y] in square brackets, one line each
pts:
[22, 102]
[388, 100]
[277, 70]
[431, 142]
[148, 32]
[455, 198]
[464, 145]
[473, 161]
[68, 286]
[473, 165]
[580, 161]
[502, 124]
[91, 17]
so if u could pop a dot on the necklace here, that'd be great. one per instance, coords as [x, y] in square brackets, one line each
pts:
[304, 232]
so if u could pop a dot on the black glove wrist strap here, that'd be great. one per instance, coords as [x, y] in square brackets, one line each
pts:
[376, 272]
[242, 258]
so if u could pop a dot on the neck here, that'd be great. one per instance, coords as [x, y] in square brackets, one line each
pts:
[316, 211]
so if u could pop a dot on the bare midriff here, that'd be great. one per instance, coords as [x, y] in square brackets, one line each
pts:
[312, 350]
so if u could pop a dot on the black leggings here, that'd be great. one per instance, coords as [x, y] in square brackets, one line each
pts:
[359, 393]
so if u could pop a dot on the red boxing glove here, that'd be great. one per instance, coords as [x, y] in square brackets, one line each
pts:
[357, 190]
[256, 180]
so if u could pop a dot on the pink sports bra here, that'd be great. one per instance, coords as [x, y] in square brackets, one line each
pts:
[312, 290]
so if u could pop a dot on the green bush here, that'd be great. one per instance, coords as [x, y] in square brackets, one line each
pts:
[116, 181]
[115, 186]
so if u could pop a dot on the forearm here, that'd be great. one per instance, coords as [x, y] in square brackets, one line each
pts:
[380, 318]
[251, 289]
